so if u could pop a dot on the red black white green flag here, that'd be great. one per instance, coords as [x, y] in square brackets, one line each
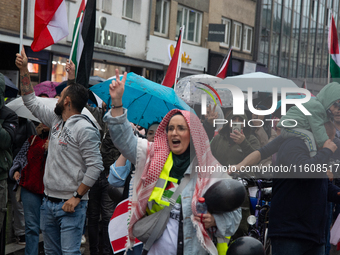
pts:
[333, 46]
[83, 41]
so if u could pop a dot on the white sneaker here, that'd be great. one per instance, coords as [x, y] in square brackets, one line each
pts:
[83, 239]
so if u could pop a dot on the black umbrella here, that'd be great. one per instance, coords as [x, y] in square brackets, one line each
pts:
[11, 89]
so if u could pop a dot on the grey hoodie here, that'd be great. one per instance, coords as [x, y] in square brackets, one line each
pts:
[73, 151]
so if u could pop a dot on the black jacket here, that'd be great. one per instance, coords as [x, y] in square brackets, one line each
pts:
[25, 130]
[8, 126]
[299, 206]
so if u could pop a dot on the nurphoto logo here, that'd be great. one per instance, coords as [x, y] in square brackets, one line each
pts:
[238, 103]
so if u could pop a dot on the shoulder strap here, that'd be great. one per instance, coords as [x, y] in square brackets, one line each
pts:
[33, 140]
[89, 120]
[163, 219]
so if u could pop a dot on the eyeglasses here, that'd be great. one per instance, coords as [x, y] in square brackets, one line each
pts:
[179, 129]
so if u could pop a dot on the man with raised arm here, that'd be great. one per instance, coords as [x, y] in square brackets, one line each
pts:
[73, 163]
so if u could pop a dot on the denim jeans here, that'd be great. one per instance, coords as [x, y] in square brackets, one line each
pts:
[62, 230]
[100, 204]
[31, 203]
[294, 246]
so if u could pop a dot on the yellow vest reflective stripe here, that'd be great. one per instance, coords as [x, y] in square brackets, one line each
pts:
[155, 202]
[222, 245]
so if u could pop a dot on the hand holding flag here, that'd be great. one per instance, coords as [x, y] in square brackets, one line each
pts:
[71, 69]
[21, 61]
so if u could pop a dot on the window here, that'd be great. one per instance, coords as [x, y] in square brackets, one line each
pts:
[107, 6]
[192, 20]
[128, 9]
[247, 38]
[162, 17]
[237, 35]
[227, 23]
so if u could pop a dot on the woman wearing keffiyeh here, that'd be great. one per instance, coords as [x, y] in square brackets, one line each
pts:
[177, 131]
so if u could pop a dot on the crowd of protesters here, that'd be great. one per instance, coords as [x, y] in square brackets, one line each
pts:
[65, 170]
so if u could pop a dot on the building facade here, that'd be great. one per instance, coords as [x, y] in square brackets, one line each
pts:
[198, 54]
[166, 19]
[120, 40]
[287, 38]
[239, 19]
[293, 39]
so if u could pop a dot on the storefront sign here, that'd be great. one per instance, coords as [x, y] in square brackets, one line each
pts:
[161, 50]
[184, 57]
[216, 32]
[110, 40]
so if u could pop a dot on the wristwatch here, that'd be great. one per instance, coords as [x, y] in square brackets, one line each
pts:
[77, 195]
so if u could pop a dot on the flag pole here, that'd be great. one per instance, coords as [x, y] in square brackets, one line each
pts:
[329, 66]
[329, 53]
[75, 35]
[21, 24]
[179, 57]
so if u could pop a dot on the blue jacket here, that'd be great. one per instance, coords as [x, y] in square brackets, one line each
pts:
[299, 206]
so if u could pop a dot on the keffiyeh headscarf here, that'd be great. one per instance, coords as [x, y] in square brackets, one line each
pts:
[157, 154]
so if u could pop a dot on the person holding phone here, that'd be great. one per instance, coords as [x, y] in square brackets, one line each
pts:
[233, 143]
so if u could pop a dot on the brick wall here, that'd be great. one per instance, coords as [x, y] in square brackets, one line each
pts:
[10, 15]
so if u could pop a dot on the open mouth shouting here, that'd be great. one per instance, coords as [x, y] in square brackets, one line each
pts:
[178, 134]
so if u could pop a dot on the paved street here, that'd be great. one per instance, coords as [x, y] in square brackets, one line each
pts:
[17, 249]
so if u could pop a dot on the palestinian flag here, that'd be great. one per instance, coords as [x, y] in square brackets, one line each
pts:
[174, 68]
[333, 46]
[83, 41]
[50, 23]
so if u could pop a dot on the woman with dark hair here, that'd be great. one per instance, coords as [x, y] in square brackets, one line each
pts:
[28, 170]
[170, 159]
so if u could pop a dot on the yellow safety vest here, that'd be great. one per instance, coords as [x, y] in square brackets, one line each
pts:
[222, 245]
[156, 200]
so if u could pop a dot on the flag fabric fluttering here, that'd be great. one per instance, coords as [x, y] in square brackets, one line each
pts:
[225, 69]
[118, 227]
[50, 23]
[83, 41]
[333, 47]
[174, 68]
